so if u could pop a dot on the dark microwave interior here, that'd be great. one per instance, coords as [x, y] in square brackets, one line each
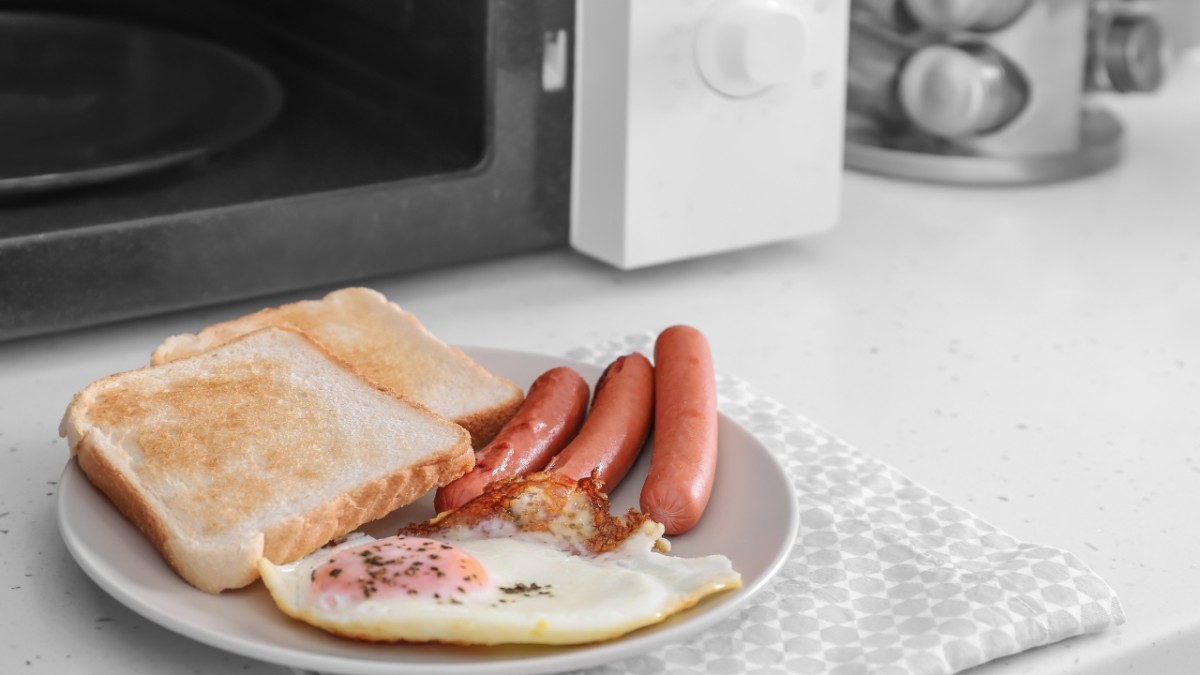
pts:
[373, 91]
[406, 134]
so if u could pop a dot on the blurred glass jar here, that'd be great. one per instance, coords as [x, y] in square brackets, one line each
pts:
[979, 16]
[876, 59]
[947, 90]
[963, 89]
[1128, 49]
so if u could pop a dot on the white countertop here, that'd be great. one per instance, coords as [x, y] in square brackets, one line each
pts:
[1031, 354]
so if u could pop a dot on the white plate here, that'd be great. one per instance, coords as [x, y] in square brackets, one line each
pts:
[751, 518]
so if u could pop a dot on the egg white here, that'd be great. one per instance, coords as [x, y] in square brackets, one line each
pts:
[539, 593]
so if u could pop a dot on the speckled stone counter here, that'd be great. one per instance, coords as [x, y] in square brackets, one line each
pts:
[1030, 354]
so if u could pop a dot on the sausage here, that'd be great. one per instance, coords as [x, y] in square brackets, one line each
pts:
[683, 462]
[616, 427]
[547, 420]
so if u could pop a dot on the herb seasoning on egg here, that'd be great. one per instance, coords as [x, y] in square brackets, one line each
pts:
[527, 590]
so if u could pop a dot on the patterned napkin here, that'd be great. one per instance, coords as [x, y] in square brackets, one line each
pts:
[886, 577]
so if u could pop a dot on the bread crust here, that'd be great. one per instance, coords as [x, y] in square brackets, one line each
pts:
[373, 360]
[130, 501]
[483, 425]
[230, 561]
[304, 533]
[283, 542]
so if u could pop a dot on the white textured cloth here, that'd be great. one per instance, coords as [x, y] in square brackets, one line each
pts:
[886, 577]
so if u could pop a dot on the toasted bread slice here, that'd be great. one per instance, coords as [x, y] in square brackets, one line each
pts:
[266, 446]
[386, 344]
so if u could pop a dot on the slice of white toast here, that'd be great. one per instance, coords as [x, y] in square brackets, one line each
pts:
[387, 345]
[266, 446]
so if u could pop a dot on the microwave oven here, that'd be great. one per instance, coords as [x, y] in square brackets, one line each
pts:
[162, 156]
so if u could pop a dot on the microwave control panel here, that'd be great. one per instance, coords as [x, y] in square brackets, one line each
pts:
[704, 126]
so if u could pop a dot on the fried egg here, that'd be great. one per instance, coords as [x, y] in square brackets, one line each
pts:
[539, 565]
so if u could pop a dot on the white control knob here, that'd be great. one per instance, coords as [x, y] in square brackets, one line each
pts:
[745, 47]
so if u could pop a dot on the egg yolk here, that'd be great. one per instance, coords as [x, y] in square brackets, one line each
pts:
[398, 567]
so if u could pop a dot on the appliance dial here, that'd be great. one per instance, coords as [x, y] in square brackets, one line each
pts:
[746, 47]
